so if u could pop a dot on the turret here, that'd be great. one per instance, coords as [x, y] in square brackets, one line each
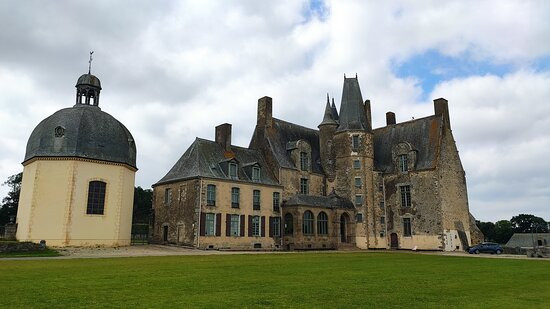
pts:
[327, 128]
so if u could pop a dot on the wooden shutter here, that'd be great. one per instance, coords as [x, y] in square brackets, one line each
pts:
[218, 224]
[202, 223]
[249, 226]
[270, 226]
[263, 226]
[243, 218]
[227, 225]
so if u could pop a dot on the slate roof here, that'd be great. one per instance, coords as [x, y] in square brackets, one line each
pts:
[352, 110]
[284, 134]
[328, 117]
[88, 133]
[89, 79]
[203, 158]
[424, 135]
[526, 239]
[331, 201]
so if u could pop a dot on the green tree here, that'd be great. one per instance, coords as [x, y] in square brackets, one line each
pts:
[525, 223]
[503, 231]
[10, 202]
[143, 205]
[488, 229]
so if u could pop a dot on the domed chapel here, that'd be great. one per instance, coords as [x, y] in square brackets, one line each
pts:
[78, 176]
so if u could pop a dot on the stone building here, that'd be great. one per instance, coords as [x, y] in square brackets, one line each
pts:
[343, 185]
[78, 176]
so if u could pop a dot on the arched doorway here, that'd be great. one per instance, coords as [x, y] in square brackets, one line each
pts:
[344, 219]
[394, 242]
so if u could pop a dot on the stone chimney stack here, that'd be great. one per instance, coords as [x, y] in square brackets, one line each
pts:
[223, 136]
[265, 117]
[368, 112]
[441, 108]
[390, 118]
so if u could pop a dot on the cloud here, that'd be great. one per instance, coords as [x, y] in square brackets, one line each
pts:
[173, 70]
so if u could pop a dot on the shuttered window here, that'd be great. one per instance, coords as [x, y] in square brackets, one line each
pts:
[256, 226]
[235, 225]
[275, 226]
[210, 224]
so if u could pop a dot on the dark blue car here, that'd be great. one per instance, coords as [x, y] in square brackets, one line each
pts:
[486, 247]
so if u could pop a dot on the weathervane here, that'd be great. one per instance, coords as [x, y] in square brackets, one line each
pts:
[90, 62]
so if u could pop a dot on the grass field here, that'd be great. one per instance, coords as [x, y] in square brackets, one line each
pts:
[268, 280]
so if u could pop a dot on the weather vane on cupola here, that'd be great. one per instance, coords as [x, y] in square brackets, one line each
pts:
[90, 62]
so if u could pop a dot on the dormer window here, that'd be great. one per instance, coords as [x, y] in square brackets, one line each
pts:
[304, 161]
[403, 163]
[256, 174]
[355, 142]
[233, 170]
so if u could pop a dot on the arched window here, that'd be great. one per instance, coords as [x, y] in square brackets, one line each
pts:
[96, 198]
[307, 226]
[322, 223]
[289, 224]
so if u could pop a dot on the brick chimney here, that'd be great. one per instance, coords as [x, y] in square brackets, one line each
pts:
[223, 136]
[441, 108]
[265, 117]
[368, 112]
[390, 118]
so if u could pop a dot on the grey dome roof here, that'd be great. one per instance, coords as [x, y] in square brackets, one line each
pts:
[82, 131]
[89, 79]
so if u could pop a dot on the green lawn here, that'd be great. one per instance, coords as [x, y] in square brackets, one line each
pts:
[274, 280]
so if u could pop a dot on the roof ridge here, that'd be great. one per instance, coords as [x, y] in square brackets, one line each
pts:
[406, 122]
[294, 124]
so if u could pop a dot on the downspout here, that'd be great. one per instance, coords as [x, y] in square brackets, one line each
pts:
[200, 208]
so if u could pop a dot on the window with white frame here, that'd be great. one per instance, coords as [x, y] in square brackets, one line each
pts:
[304, 186]
[235, 195]
[256, 199]
[210, 224]
[304, 161]
[403, 163]
[211, 195]
[356, 164]
[233, 170]
[358, 182]
[256, 174]
[355, 142]
[276, 201]
[235, 228]
[407, 231]
[276, 226]
[405, 196]
[256, 225]
[358, 199]
[167, 196]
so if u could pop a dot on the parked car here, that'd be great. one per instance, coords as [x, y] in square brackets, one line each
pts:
[486, 247]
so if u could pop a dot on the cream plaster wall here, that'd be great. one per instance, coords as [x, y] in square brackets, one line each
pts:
[54, 198]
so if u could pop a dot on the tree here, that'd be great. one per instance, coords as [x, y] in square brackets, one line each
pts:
[9, 203]
[143, 205]
[503, 231]
[488, 229]
[524, 223]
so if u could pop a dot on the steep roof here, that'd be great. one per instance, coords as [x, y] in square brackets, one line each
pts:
[352, 111]
[423, 134]
[285, 133]
[331, 201]
[203, 158]
[328, 117]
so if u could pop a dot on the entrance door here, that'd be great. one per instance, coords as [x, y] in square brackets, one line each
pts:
[394, 241]
[343, 235]
[165, 233]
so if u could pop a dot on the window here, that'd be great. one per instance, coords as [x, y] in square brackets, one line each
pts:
[167, 196]
[210, 224]
[403, 163]
[255, 225]
[256, 199]
[233, 170]
[235, 225]
[382, 220]
[211, 195]
[276, 227]
[356, 164]
[307, 226]
[405, 196]
[359, 217]
[358, 200]
[382, 233]
[380, 188]
[289, 224]
[358, 182]
[96, 198]
[256, 174]
[276, 201]
[407, 227]
[304, 161]
[355, 142]
[235, 192]
[304, 186]
[322, 223]
[382, 205]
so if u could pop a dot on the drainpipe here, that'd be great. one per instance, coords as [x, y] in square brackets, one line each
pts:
[385, 209]
[200, 208]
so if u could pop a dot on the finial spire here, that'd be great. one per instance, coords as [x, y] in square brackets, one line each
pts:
[356, 75]
[328, 100]
[90, 62]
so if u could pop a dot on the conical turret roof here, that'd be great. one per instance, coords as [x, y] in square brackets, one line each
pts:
[352, 110]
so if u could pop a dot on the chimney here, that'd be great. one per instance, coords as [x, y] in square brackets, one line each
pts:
[223, 136]
[368, 113]
[265, 117]
[441, 108]
[390, 118]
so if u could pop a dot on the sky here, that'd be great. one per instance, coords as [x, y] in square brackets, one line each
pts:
[173, 70]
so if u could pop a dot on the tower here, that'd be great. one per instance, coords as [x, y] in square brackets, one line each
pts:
[78, 176]
[327, 128]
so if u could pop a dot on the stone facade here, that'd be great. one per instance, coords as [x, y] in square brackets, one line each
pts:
[345, 185]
